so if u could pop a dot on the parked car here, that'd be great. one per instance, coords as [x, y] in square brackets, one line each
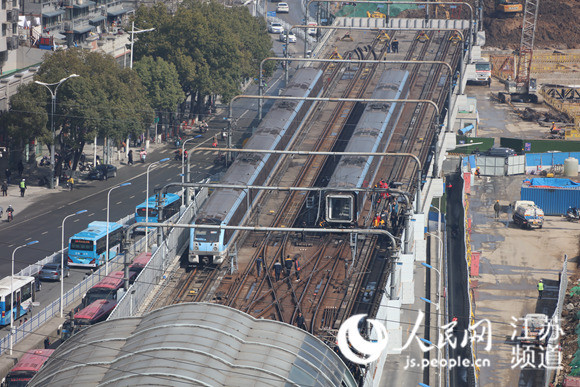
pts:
[275, 28]
[103, 172]
[291, 37]
[283, 8]
[500, 152]
[52, 271]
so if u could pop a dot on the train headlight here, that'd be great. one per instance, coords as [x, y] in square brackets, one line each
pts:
[215, 248]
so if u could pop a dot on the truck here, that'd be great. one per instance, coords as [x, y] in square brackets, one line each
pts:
[534, 329]
[479, 70]
[528, 215]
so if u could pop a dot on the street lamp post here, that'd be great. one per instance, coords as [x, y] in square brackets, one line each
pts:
[107, 238]
[12, 293]
[439, 356]
[133, 32]
[62, 260]
[183, 190]
[147, 202]
[53, 108]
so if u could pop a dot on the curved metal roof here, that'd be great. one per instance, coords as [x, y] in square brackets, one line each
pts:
[194, 344]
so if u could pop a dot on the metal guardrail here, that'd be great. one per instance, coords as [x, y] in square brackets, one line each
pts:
[138, 293]
[35, 321]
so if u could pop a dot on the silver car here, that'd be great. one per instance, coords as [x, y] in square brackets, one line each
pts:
[52, 271]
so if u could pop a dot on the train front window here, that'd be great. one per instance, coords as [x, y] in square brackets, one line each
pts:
[207, 235]
[340, 209]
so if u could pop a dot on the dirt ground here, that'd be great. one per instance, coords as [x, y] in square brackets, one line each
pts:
[557, 27]
[512, 262]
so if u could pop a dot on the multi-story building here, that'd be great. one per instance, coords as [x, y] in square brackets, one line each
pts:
[9, 13]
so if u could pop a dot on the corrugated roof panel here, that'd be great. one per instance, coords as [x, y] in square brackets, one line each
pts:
[188, 344]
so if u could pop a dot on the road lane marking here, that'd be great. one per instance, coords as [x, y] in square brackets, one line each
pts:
[118, 202]
[209, 167]
[27, 239]
[91, 214]
[131, 197]
[44, 233]
[76, 220]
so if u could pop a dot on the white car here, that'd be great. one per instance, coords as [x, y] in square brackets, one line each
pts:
[283, 8]
[275, 28]
[291, 37]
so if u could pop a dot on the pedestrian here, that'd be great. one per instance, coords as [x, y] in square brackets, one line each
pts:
[540, 289]
[130, 157]
[8, 173]
[496, 208]
[297, 268]
[46, 343]
[71, 182]
[22, 187]
[277, 270]
[288, 262]
[477, 173]
[20, 168]
[4, 188]
[259, 263]
[300, 322]
[395, 45]
[37, 283]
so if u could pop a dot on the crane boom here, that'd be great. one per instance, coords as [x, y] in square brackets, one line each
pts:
[527, 41]
[523, 87]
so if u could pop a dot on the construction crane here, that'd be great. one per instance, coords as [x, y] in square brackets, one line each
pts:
[523, 87]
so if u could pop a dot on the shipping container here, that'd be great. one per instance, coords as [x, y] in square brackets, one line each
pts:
[554, 201]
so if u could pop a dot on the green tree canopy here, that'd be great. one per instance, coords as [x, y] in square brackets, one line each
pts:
[161, 81]
[104, 100]
[213, 48]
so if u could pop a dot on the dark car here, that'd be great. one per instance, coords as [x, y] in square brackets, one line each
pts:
[52, 271]
[500, 152]
[103, 172]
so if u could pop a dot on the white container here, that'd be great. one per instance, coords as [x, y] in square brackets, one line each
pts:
[571, 167]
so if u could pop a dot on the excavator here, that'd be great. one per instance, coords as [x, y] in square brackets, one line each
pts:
[508, 8]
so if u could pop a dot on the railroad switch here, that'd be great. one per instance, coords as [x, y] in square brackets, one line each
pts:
[422, 37]
[455, 38]
[347, 37]
[384, 36]
[335, 54]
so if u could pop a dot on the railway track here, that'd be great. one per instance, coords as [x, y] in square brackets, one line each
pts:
[194, 286]
[250, 293]
[331, 284]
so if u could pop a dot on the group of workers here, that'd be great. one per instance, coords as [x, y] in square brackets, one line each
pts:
[390, 214]
[289, 262]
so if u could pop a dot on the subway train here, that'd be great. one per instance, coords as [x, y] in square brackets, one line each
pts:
[372, 134]
[230, 206]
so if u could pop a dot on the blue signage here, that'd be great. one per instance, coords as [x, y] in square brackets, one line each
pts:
[271, 14]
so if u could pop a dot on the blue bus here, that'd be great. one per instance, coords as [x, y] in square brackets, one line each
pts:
[23, 291]
[87, 248]
[170, 203]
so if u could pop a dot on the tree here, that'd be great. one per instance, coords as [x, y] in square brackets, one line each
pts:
[26, 119]
[105, 100]
[161, 81]
[213, 48]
